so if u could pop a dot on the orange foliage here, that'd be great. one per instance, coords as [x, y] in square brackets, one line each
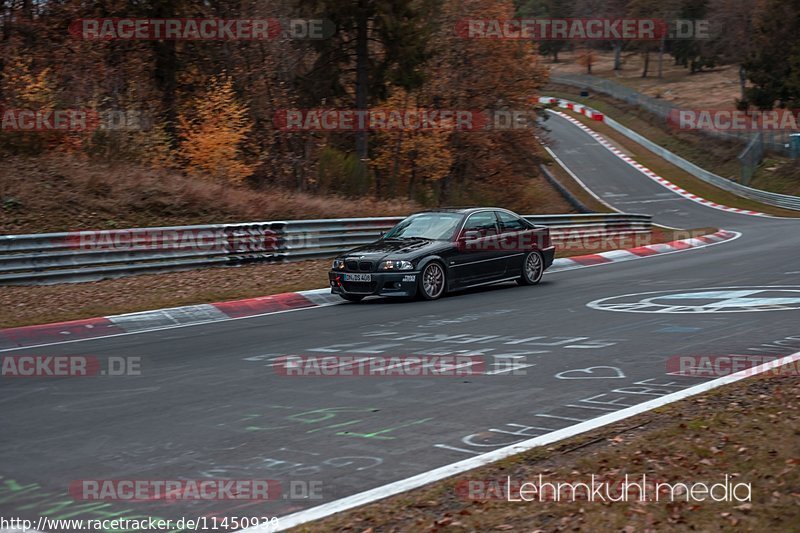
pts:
[412, 159]
[493, 166]
[213, 134]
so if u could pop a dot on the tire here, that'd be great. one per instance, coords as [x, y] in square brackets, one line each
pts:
[432, 281]
[532, 269]
[352, 297]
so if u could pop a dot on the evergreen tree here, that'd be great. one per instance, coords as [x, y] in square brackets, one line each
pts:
[376, 43]
[774, 65]
[549, 9]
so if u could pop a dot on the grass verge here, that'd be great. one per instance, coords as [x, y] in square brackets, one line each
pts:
[58, 192]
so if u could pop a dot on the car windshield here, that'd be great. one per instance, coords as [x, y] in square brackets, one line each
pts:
[434, 226]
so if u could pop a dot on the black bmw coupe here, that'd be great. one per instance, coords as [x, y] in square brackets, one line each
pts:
[434, 252]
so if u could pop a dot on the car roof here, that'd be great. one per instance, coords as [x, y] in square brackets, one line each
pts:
[462, 210]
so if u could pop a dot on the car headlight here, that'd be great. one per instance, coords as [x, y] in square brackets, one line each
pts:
[338, 264]
[396, 265]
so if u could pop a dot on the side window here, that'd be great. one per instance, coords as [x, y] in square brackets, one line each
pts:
[509, 222]
[484, 222]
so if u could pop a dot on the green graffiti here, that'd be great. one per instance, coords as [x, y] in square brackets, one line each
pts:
[324, 414]
[52, 505]
[16, 490]
[343, 424]
[55, 509]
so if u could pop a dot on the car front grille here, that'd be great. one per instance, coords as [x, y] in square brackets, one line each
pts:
[351, 265]
[359, 287]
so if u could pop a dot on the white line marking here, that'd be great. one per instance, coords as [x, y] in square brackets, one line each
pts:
[590, 407]
[652, 201]
[543, 415]
[589, 373]
[581, 183]
[645, 305]
[437, 474]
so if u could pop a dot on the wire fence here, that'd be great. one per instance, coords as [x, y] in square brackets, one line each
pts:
[750, 158]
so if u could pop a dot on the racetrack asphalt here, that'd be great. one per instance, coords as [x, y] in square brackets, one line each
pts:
[209, 403]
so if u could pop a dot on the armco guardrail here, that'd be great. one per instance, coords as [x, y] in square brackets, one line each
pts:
[770, 198]
[93, 255]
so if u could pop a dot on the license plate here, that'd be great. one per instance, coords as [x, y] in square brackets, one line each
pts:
[358, 277]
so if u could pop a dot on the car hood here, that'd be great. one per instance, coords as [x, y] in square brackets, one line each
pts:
[401, 250]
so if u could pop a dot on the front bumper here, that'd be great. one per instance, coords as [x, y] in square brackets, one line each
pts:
[381, 284]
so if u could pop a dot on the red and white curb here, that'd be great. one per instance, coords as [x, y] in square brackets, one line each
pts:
[192, 315]
[175, 317]
[596, 115]
[574, 106]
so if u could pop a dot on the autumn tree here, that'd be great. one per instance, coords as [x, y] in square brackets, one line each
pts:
[484, 74]
[213, 132]
[183, 89]
[587, 58]
[24, 88]
[412, 160]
